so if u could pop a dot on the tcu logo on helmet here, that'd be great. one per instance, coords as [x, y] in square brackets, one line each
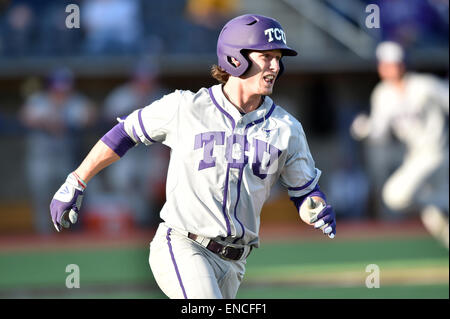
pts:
[277, 33]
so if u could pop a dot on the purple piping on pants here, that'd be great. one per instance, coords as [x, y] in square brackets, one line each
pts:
[175, 263]
[143, 128]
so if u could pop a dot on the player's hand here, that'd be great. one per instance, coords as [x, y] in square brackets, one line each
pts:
[66, 202]
[360, 127]
[325, 220]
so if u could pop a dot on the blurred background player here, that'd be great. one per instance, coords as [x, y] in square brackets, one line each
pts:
[414, 107]
[54, 118]
[137, 184]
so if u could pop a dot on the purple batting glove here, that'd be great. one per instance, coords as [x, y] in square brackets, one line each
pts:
[67, 200]
[326, 220]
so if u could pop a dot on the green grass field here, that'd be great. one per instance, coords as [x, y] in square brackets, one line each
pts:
[413, 267]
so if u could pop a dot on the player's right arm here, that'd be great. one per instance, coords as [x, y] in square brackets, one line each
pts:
[153, 123]
[100, 157]
[67, 200]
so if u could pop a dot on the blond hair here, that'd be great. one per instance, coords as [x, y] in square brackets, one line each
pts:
[219, 74]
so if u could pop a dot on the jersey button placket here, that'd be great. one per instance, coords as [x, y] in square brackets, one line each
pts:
[234, 172]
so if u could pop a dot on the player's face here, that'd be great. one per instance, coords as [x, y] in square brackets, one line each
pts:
[263, 72]
[390, 71]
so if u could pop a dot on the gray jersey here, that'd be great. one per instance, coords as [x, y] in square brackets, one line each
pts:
[223, 164]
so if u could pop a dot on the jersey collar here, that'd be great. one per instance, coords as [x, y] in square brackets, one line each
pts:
[262, 111]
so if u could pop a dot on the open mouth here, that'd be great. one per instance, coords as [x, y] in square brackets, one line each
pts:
[269, 79]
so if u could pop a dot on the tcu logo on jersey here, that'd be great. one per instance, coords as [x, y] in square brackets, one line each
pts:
[277, 33]
[264, 155]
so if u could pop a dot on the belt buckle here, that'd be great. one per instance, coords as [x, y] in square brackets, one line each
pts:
[225, 250]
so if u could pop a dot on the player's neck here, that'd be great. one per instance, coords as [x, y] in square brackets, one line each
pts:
[398, 84]
[245, 102]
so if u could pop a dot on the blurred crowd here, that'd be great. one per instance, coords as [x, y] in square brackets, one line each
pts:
[116, 27]
[414, 24]
[111, 27]
[56, 118]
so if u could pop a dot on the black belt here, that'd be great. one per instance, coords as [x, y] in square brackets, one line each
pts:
[223, 251]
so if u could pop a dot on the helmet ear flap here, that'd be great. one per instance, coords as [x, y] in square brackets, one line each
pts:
[244, 64]
[226, 63]
[244, 54]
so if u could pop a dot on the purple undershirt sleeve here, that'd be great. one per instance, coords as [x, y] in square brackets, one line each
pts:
[118, 140]
[315, 192]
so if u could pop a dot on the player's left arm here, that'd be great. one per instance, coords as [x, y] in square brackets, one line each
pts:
[314, 210]
[300, 176]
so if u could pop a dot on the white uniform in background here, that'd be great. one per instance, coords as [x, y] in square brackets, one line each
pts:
[418, 117]
[414, 107]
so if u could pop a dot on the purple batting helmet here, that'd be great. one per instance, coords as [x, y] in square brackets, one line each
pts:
[249, 32]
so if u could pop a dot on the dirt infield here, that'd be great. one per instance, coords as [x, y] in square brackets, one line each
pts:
[273, 232]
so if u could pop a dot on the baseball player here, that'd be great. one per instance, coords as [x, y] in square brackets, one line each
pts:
[229, 144]
[415, 108]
